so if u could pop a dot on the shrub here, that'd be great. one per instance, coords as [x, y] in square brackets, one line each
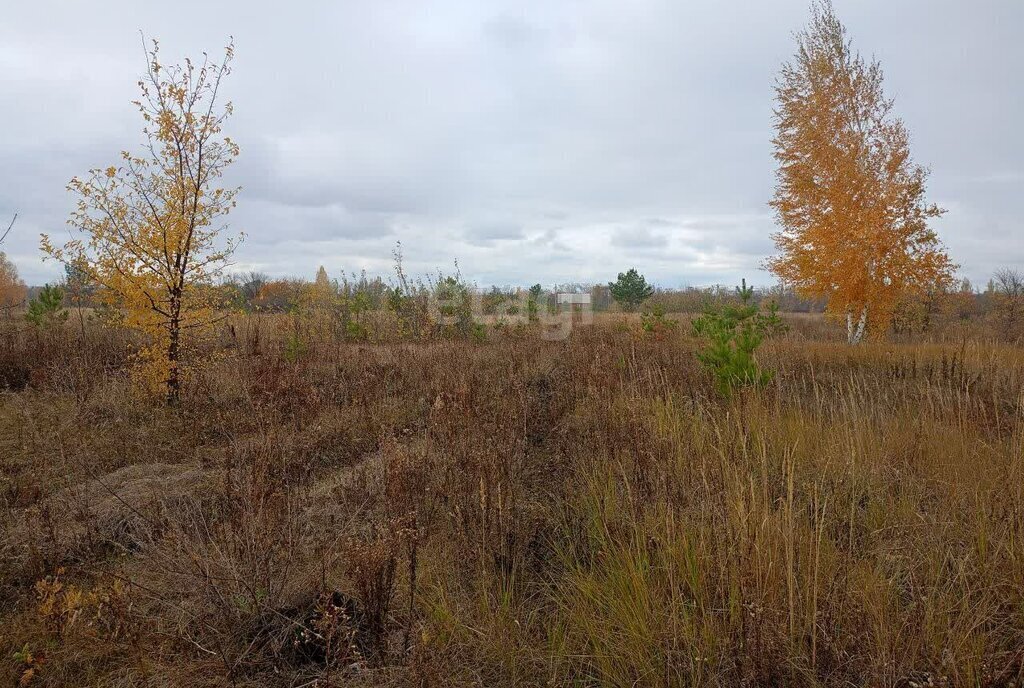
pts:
[47, 308]
[372, 566]
[655, 323]
[1007, 295]
[630, 289]
[532, 309]
[294, 348]
[453, 306]
[732, 335]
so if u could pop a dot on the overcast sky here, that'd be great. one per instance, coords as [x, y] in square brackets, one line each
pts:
[547, 141]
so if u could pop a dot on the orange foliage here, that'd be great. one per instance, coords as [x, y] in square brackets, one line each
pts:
[150, 227]
[849, 199]
[12, 289]
[279, 296]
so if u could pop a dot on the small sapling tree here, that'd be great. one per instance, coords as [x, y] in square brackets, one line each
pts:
[47, 308]
[150, 230]
[731, 336]
[630, 289]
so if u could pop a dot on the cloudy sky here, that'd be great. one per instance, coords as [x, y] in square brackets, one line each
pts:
[549, 141]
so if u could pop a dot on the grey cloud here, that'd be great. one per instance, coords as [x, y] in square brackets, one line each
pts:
[638, 238]
[268, 223]
[608, 133]
[512, 31]
[488, 234]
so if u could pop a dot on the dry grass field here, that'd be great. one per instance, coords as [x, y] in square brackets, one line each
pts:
[512, 512]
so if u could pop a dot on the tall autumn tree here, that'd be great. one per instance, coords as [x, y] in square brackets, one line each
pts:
[150, 230]
[12, 289]
[849, 199]
[322, 290]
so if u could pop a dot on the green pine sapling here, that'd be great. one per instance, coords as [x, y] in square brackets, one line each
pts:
[47, 308]
[731, 335]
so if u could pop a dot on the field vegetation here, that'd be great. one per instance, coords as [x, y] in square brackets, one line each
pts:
[217, 479]
[330, 506]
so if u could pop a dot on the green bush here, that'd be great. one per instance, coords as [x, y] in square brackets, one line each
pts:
[47, 309]
[294, 348]
[655, 323]
[732, 334]
[533, 299]
[630, 289]
[454, 307]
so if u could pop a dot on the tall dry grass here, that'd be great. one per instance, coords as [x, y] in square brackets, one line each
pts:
[514, 512]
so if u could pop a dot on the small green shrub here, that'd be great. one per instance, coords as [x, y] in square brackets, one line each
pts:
[453, 306]
[356, 331]
[47, 309]
[630, 289]
[294, 348]
[655, 323]
[533, 299]
[732, 334]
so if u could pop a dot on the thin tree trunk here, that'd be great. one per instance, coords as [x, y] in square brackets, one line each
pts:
[174, 353]
[855, 333]
[81, 319]
[862, 324]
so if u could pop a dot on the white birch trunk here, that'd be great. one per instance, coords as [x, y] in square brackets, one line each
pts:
[855, 333]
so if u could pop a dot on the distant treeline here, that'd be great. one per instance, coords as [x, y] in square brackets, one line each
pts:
[256, 291]
[1000, 303]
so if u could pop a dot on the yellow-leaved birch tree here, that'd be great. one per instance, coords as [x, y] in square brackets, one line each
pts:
[850, 201]
[150, 231]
